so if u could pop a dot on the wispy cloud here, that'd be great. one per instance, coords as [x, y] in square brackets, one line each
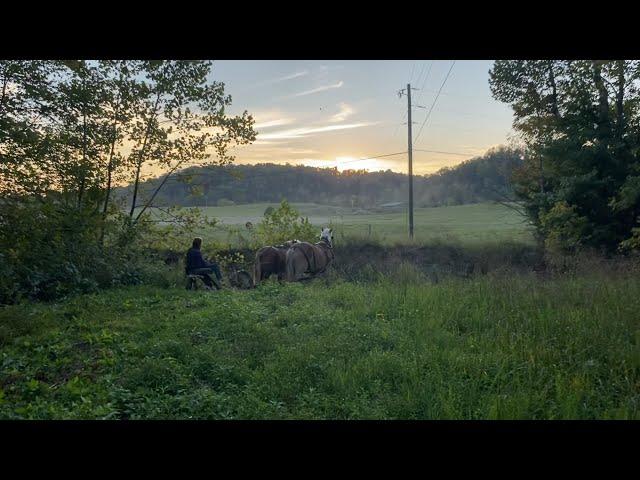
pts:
[266, 142]
[345, 111]
[273, 123]
[319, 89]
[292, 76]
[306, 131]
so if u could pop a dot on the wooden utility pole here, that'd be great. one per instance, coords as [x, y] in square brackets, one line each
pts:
[410, 151]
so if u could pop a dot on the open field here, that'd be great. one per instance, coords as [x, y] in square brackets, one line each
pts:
[474, 223]
[488, 347]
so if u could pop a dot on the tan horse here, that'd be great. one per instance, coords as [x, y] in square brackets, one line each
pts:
[304, 257]
[271, 260]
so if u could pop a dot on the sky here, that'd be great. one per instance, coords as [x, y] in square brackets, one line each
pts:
[334, 113]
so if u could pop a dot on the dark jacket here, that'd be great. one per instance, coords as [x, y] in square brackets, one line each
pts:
[194, 260]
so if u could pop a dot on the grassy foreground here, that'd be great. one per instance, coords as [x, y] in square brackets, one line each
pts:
[482, 348]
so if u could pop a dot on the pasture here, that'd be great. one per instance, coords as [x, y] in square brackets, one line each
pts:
[489, 347]
[386, 339]
[479, 223]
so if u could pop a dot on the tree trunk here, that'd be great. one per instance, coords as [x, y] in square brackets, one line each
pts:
[604, 126]
[109, 173]
[84, 143]
[620, 99]
[541, 175]
[5, 82]
[144, 145]
[554, 92]
[147, 204]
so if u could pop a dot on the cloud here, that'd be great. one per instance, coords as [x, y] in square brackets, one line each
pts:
[345, 111]
[306, 131]
[302, 73]
[266, 142]
[292, 76]
[319, 89]
[273, 123]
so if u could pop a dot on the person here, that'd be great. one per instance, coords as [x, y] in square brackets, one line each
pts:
[196, 265]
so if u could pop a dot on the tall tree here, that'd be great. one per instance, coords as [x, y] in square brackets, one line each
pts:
[575, 118]
[182, 119]
[27, 115]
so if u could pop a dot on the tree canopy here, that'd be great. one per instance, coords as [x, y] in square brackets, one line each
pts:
[72, 130]
[579, 120]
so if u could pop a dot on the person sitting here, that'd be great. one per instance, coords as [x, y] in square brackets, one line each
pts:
[196, 265]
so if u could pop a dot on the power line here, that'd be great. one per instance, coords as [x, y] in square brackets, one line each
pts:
[424, 83]
[412, 69]
[434, 101]
[421, 72]
[177, 176]
[404, 113]
[377, 156]
[440, 151]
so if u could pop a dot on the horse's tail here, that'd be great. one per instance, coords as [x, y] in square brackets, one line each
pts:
[290, 265]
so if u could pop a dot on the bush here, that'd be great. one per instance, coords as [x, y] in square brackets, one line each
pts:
[282, 224]
[51, 251]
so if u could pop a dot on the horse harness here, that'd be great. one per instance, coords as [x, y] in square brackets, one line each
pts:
[326, 248]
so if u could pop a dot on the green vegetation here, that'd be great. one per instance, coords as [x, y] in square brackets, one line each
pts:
[489, 347]
[580, 183]
[455, 324]
[69, 132]
[482, 223]
[480, 179]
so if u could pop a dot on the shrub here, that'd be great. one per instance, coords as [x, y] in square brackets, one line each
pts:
[282, 224]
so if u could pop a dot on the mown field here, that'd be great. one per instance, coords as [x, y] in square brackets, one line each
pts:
[401, 348]
[468, 224]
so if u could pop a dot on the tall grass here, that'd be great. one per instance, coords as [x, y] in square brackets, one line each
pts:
[401, 347]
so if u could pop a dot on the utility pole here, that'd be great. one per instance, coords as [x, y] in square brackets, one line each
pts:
[410, 152]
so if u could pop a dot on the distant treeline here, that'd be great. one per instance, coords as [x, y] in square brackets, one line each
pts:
[480, 179]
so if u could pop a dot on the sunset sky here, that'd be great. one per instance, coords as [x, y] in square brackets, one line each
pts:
[331, 113]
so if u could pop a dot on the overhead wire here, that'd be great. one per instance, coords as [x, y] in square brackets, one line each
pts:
[434, 102]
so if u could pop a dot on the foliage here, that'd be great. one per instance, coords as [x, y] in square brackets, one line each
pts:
[579, 120]
[480, 179]
[282, 224]
[72, 130]
[563, 227]
[486, 348]
[173, 227]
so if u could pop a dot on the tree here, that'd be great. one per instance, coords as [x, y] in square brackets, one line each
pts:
[27, 116]
[180, 120]
[69, 131]
[579, 120]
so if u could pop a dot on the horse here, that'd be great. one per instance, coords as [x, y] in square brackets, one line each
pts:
[304, 257]
[271, 260]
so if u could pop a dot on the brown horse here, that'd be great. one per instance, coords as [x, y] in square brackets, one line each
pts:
[271, 260]
[304, 257]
